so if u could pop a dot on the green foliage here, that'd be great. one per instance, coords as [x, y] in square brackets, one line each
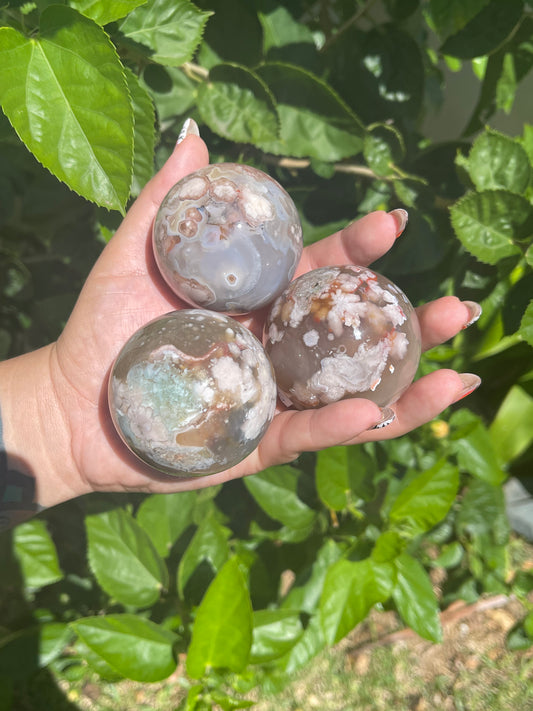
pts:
[254, 578]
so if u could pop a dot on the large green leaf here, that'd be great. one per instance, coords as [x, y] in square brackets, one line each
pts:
[237, 105]
[124, 559]
[136, 648]
[351, 589]
[498, 162]
[65, 93]
[36, 554]
[275, 633]
[473, 445]
[168, 31]
[485, 31]
[144, 136]
[488, 223]
[426, 499]
[164, 517]
[210, 544]
[105, 11]
[415, 599]
[315, 122]
[275, 490]
[511, 432]
[222, 632]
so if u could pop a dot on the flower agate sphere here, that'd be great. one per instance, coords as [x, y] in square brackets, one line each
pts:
[342, 332]
[227, 238]
[192, 393]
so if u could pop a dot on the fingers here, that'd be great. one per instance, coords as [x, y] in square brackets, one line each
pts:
[443, 318]
[361, 242]
[424, 400]
[293, 432]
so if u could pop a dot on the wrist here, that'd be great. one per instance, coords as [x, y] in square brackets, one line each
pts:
[36, 436]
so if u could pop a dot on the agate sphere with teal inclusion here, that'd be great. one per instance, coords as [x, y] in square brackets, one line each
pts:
[227, 238]
[342, 332]
[192, 393]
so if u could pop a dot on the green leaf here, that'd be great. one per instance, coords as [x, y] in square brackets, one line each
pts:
[165, 517]
[53, 638]
[510, 431]
[222, 632]
[65, 93]
[526, 325]
[123, 558]
[333, 477]
[105, 11]
[275, 490]
[136, 648]
[281, 29]
[473, 445]
[275, 632]
[383, 147]
[447, 17]
[488, 223]
[426, 499]
[485, 31]
[415, 600]
[36, 554]
[169, 31]
[497, 162]
[209, 543]
[315, 122]
[171, 90]
[351, 589]
[236, 104]
[144, 135]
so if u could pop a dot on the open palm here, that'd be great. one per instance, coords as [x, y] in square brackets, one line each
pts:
[124, 291]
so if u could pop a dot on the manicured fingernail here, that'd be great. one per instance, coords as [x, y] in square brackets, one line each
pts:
[402, 217]
[189, 128]
[387, 416]
[474, 310]
[470, 383]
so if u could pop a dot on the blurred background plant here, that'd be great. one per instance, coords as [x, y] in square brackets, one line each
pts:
[349, 106]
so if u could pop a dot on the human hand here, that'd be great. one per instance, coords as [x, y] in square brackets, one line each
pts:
[124, 291]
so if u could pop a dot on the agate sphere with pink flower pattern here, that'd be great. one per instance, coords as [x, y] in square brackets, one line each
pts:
[192, 393]
[342, 332]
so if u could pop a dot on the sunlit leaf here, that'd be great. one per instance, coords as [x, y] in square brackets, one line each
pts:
[37, 554]
[488, 223]
[65, 93]
[137, 648]
[168, 31]
[222, 632]
[236, 104]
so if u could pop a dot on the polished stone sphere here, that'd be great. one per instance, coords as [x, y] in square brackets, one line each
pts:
[227, 238]
[192, 393]
[342, 332]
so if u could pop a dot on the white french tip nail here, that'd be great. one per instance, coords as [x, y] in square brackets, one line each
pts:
[189, 128]
[387, 417]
